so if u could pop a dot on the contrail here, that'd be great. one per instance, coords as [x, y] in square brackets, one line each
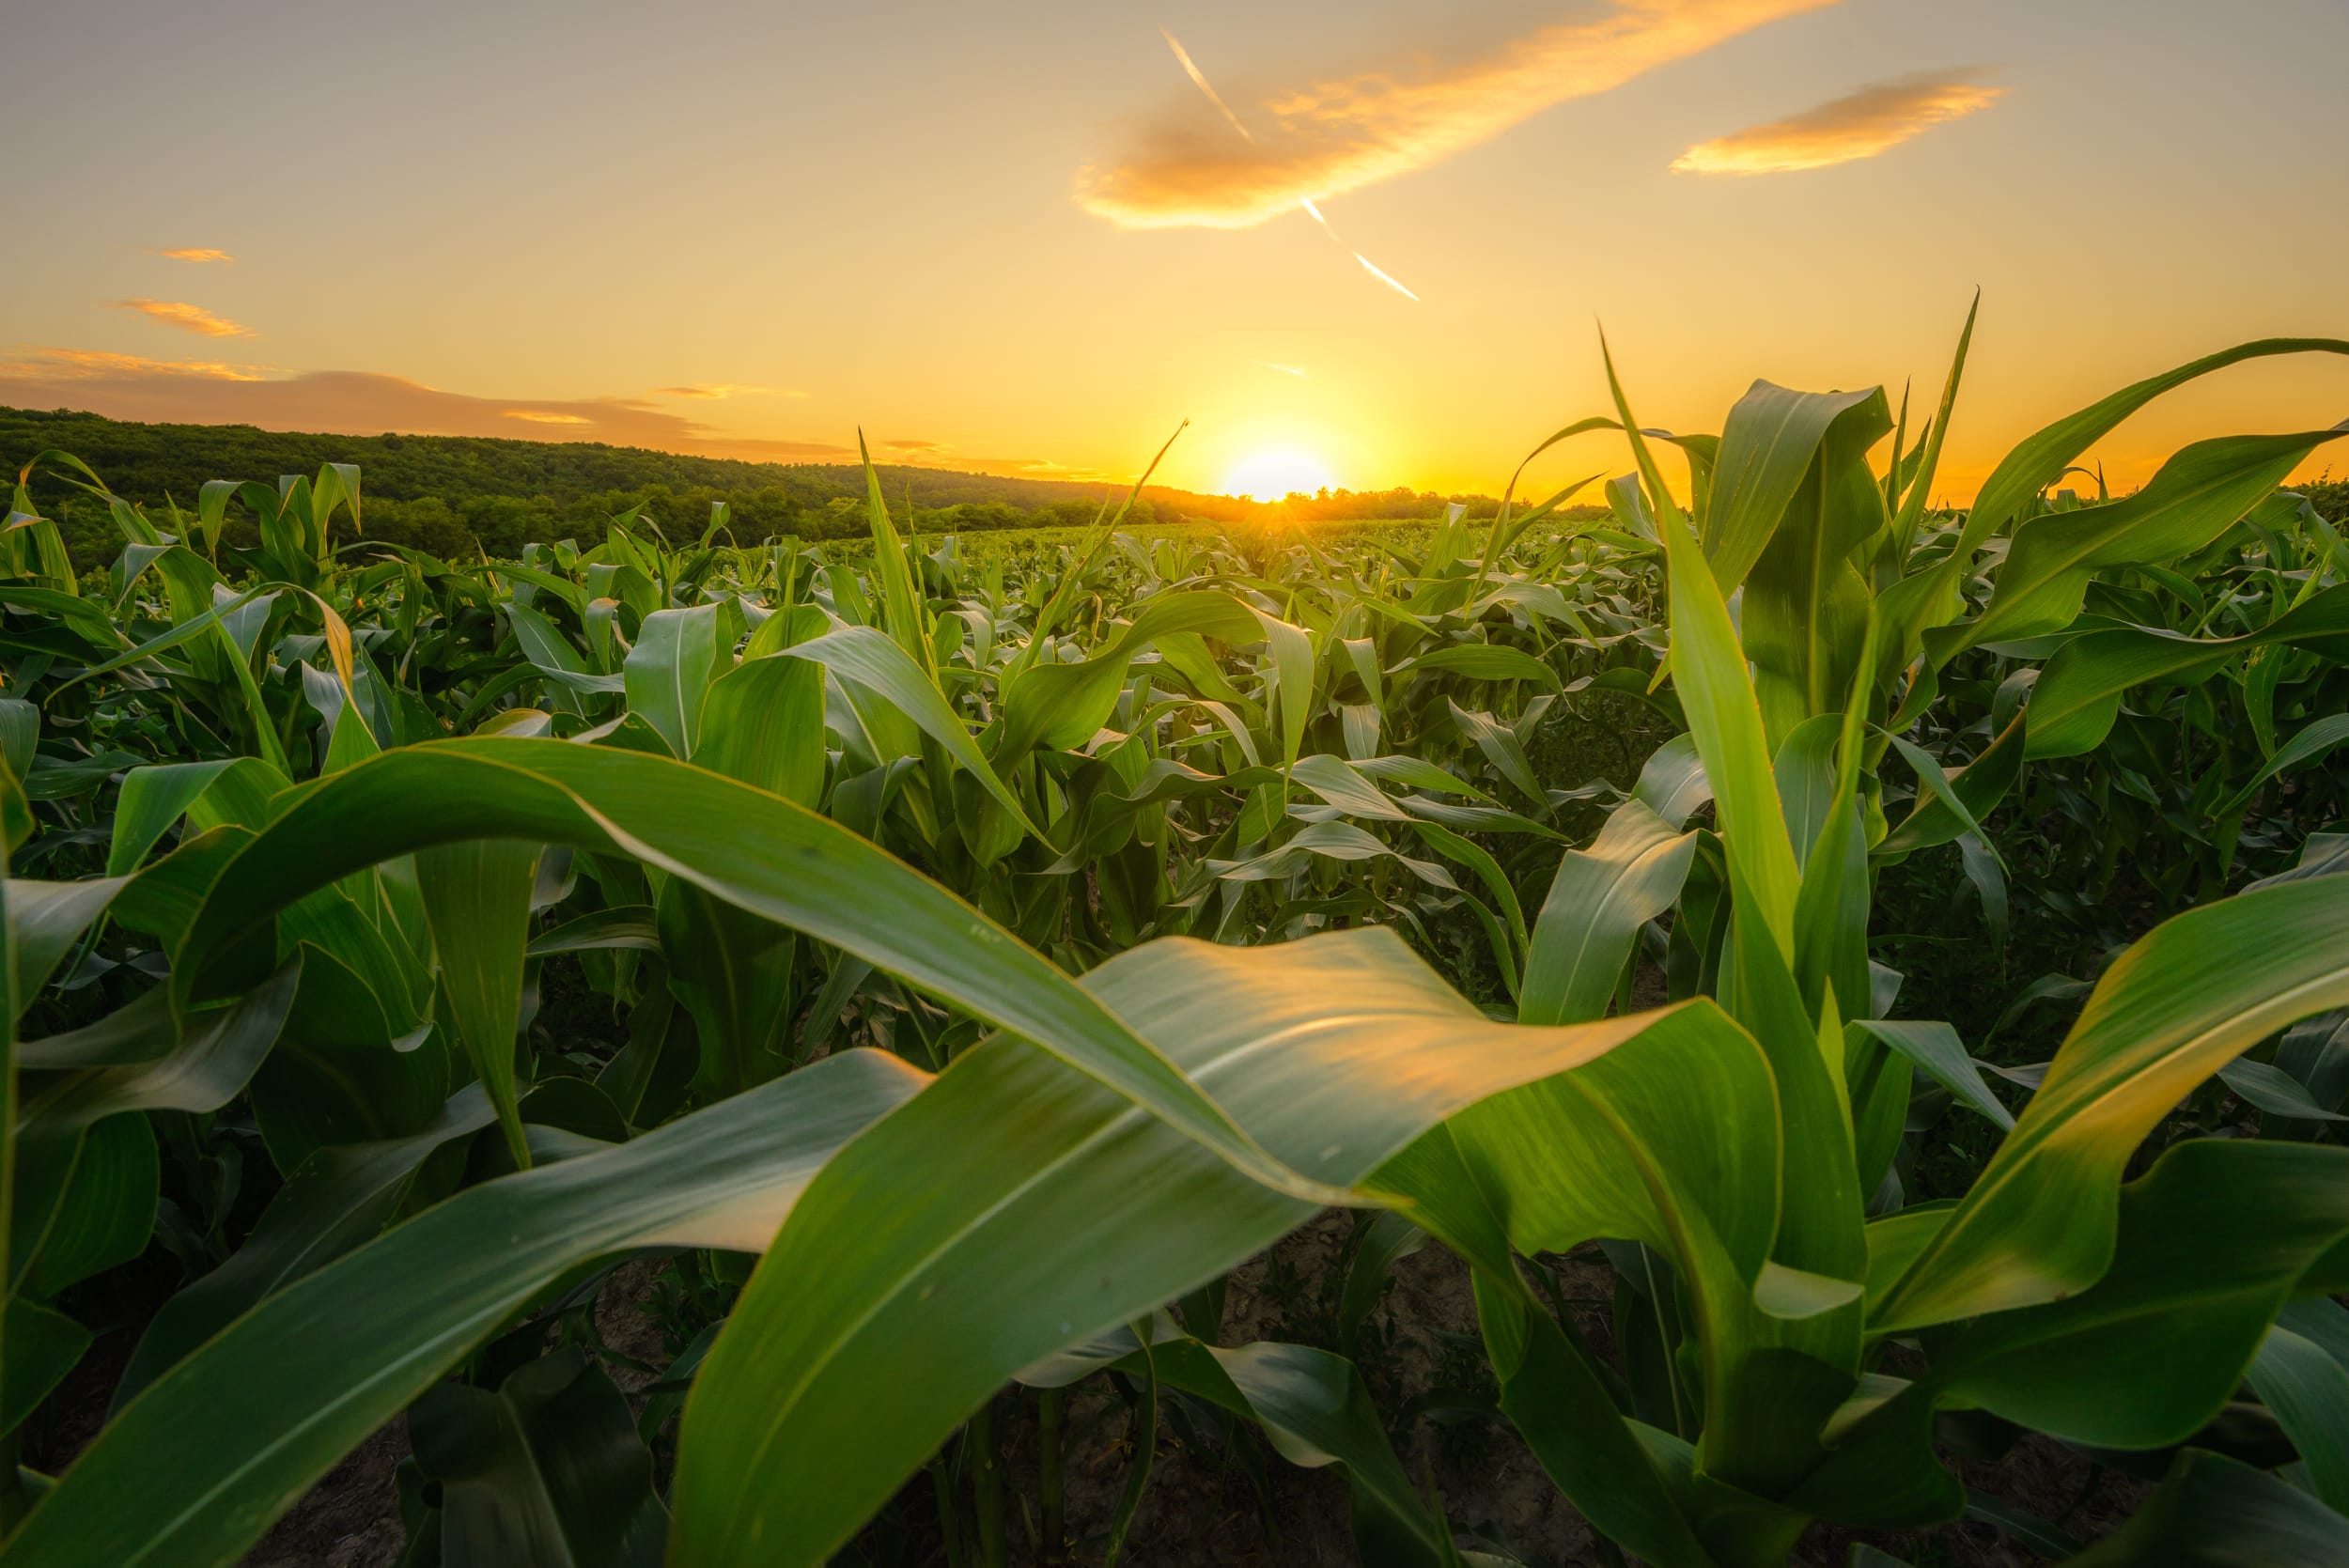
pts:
[1307, 203]
[1199, 80]
[1283, 369]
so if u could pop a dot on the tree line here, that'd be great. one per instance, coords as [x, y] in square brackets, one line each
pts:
[455, 495]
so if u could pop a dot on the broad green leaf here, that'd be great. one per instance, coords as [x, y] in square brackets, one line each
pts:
[2211, 1243]
[2190, 501]
[476, 899]
[763, 724]
[338, 1199]
[2035, 462]
[1486, 661]
[2077, 695]
[1709, 669]
[1769, 442]
[305, 1377]
[755, 851]
[2307, 1389]
[2213, 1512]
[1062, 706]
[1804, 614]
[43, 1345]
[864, 656]
[1597, 901]
[1073, 1212]
[1935, 1050]
[547, 1472]
[2193, 994]
[2309, 743]
[901, 601]
[668, 674]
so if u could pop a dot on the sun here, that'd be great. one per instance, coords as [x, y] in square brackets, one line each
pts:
[1273, 475]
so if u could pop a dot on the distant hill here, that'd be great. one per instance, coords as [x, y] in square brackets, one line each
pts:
[448, 494]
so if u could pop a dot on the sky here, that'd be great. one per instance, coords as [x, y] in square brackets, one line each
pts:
[1360, 242]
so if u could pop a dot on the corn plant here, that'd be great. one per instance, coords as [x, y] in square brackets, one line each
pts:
[1000, 951]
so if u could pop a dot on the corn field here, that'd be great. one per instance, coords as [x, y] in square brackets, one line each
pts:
[947, 966]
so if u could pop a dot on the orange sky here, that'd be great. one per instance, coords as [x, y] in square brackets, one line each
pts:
[1371, 237]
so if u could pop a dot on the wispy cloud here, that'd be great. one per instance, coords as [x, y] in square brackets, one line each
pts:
[543, 416]
[1199, 80]
[191, 253]
[75, 364]
[1283, 369]
[1861, 125]
[179, 313]
[699, 390]
[1188, 168]
[915, 446]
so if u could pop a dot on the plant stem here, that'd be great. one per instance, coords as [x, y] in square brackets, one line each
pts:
[1051, 1406]
[986, 1486]
[949, 1516]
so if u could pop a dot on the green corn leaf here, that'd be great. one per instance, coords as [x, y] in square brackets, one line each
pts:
[2309, 743]
[2213, 1512]
[336, 1200]
[1935, 1050]
[2077, 694]
[901, 602]
[1709, 668]
[668, 674]
[2189, 997]
[477, 900]
[755, 851]
[865, 658]
[1009, 1206]
[2037, 461]
[1062, 706]
[1768, 445]
[2307, 1389]
[323, 1363]
[547, 1472]
[1597, 901]
[2190, 501]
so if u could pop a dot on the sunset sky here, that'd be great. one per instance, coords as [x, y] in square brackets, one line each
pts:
[1032, 237]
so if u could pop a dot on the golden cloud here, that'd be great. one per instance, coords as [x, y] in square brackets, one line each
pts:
[190, 254]
[1861, 125]
[179, 313]
[542, 416]
[1191, 168]
[722, 389]
[915, 446]
[71, 365]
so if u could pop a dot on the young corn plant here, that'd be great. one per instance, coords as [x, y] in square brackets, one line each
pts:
[896, 880]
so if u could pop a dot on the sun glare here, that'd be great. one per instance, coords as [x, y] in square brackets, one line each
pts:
[1271, 476]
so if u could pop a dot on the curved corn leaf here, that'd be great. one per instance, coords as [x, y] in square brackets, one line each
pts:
[2192, 995]
[308, 1373]
[2077, 695]
[755, 851]
[1049, 1210]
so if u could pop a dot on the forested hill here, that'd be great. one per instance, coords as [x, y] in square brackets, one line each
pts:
[445, 494]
